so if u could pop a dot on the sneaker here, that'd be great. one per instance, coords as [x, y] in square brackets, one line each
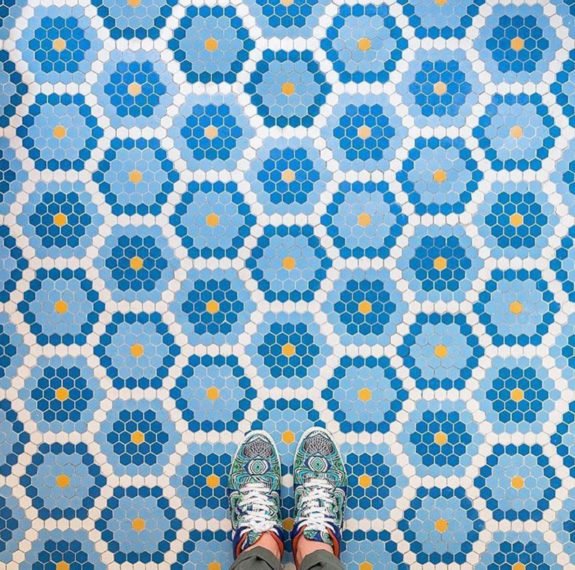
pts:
[320, 485]
[254, 486]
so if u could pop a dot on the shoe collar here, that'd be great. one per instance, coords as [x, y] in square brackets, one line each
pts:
[333, 531]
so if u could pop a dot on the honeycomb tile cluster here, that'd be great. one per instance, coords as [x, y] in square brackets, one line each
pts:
[225, 215]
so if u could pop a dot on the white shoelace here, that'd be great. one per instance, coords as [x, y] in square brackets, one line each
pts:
[257, 507]
[316, 505]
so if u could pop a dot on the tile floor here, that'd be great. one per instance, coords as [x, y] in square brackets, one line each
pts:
[224, 215]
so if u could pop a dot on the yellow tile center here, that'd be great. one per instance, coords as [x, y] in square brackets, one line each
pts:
[135, 176]
[516, 220]
[212, 393]
[61, 307]
[440, 176]
[137, 350]
[288, 349]
[212, 481]
[517, 482]
[288, 88]
[364, 394]
[134, 3]
[365, 566]
[212, 307]
[517, 44]
[441, 2]
[59, 132]
[516, 307]
[62, 394]
[441, 525]
[214, 566]
[440, 263]
[134, 89]
[211, 132]
[364, 220]
[138, 524]
[287, 2]
[288, 263]
[288, 175]
[59, 44]
[288, 436]
[440, 88]
[288, 523]
[516, 132]
[440, 351]
[518, 566]
[136, 263]
[60, 219]
[62, 481]
[364, 307]
[440, 438]
[364, 481]
[62, 565]
[517, 394]
[364, 132]
[138, 437]
[211, 44]
[212, 220]
[364, 44]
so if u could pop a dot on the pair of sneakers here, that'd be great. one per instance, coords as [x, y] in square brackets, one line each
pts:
[320, 484]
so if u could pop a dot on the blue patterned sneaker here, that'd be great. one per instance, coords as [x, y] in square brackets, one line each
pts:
[320, 485]
[254, 485]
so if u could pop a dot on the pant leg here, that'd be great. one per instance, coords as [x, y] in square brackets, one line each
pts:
[256, 559]
[321, 560]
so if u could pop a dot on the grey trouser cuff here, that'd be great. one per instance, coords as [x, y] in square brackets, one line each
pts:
[257, 558]
[321, 560]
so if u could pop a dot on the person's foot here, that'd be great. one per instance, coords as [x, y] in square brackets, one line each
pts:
[320, 483]
[254, 485]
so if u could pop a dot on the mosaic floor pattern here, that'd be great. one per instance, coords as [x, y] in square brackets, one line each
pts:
[220, 215]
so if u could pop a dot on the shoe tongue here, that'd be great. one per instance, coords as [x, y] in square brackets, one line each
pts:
[251, 537]
[318, 536]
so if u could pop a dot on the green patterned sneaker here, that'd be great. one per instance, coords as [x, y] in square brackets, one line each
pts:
[320, 485]
[254, 485]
